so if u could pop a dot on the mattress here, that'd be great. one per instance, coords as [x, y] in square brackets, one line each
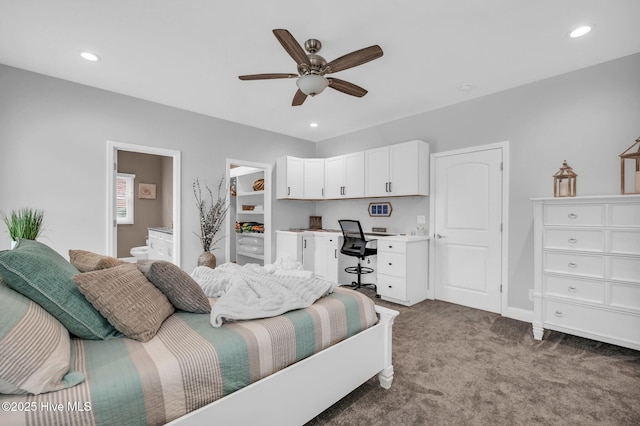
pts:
[187, 365]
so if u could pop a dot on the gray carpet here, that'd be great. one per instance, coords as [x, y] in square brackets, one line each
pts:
[460, 366]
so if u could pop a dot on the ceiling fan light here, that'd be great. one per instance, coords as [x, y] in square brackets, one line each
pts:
[312, 84]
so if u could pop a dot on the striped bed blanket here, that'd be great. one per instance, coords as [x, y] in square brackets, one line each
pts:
[187, 365]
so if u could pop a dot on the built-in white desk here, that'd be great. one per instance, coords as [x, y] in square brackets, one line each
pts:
[401, 265]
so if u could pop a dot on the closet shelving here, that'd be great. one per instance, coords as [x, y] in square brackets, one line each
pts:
[247, 196]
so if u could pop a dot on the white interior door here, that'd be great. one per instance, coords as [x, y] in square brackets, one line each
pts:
[467, 228]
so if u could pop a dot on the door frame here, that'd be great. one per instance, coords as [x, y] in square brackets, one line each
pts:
[504, 273]
[268, 240]
[112, 156]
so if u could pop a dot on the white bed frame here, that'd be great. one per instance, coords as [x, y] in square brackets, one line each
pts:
[300, 392]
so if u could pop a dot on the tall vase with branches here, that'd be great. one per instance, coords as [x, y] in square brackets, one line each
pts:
[213, 211]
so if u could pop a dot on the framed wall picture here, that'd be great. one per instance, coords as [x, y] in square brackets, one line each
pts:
[147, 191]
[380, 209]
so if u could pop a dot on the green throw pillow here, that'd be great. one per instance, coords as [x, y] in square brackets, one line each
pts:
[42, 275]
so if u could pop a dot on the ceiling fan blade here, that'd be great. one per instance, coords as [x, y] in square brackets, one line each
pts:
[346, 87]
[292, 47]
[298, 98]
[354, 59]
[266, 76]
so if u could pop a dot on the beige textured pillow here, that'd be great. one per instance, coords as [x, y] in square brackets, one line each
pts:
[86, 261]
[127, 299]
[181, 290]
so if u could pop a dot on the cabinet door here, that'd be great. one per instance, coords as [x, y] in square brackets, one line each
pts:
[404, 168]
[320, 258]
[334, 177]
[377, 172]
[333, 255]
[308, 253]
[289, 244]
[314, 178]
[353, 186]
[295, 177]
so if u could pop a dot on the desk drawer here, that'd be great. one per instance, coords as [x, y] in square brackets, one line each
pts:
[601, 322]
[574, 215]
[574, 264]
[391, 246]
[574, 239]
[392, 264]
[394, 287]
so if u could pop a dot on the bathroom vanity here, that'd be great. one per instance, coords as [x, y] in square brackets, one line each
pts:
[161, 244]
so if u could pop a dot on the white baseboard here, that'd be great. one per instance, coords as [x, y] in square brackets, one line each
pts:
[519, 314]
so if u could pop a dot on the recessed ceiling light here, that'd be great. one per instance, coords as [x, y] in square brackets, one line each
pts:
[465, 87]
[580, 31]
[90, 56]
[313, 124]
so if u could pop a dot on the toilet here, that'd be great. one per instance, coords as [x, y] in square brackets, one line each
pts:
[140, 253]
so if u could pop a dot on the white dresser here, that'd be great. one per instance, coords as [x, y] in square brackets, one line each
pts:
[587, 267]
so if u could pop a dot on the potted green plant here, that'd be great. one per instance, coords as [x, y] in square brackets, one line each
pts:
[212, 215]
[25, 223]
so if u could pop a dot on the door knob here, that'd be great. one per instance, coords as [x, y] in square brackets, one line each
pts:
[438, 236]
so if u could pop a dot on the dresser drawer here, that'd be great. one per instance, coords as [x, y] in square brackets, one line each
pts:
[574, 264]
[574, 239]
[392, 246]
[574, 288]
[625, 215]
[599, 322]
[625, 269]
[625, 296]
[392, 264]
[575, 215]
[393, 287]
[624, 242]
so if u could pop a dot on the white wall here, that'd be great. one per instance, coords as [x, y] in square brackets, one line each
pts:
[53, 137]
[587, 117]
[53, 154]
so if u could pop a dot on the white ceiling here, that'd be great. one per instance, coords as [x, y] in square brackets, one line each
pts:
[188, 53]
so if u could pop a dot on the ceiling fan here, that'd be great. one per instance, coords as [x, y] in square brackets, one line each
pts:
[312, 68]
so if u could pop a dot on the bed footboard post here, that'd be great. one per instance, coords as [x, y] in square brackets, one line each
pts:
[387, 317]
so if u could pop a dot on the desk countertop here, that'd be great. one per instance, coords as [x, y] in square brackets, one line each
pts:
[378, 235]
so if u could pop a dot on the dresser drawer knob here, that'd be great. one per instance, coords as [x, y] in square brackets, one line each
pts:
[572, 288]
[558, 314]
[390, 246]
[390, 263]
[572, 240]
[573, 265]
[572, 216]
[390, 286]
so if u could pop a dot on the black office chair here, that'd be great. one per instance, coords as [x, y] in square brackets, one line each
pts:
[355, 245]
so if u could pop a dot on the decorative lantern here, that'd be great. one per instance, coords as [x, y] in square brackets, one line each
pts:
[632, 153]
[564, 182]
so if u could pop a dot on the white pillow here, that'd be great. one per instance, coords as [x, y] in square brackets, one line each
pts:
[251, 241]
[251, 249]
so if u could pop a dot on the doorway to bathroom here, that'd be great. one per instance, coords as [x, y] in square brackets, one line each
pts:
[143, 196]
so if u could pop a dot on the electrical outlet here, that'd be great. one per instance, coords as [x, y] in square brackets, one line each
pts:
[531, 294]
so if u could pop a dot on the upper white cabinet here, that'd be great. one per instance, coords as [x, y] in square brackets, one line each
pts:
[395, 170]
[290, 177]
[313, 178]
[389, 171]
[344, 176]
